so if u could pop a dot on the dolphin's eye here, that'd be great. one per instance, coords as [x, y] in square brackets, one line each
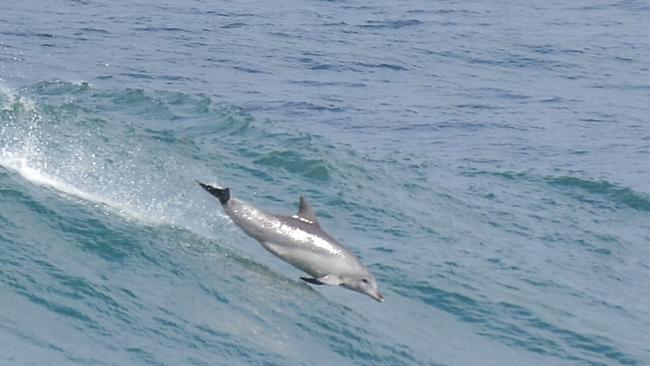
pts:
[365, 280]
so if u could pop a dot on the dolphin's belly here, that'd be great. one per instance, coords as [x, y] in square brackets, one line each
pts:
[315, 262]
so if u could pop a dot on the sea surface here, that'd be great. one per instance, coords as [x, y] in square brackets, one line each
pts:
[488, 160]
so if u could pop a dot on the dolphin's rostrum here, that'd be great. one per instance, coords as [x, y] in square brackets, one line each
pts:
[300, 241]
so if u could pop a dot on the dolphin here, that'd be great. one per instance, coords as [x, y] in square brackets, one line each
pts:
[300, 241]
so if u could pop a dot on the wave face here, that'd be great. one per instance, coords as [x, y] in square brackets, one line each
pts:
[493, 175]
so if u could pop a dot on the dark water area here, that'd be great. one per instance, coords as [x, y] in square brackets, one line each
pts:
[487, 161]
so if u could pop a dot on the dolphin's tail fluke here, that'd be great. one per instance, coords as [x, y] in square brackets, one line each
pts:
[223, 194]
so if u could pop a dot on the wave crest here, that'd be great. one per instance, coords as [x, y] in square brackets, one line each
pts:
[620, 195]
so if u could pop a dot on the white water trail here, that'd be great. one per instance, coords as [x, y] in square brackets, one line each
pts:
[20, 163]
[24, 151]
[108, 164]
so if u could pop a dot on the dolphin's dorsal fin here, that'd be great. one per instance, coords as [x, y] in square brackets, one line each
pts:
[306, 212]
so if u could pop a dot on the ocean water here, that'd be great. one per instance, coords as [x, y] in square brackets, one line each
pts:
[489, 161]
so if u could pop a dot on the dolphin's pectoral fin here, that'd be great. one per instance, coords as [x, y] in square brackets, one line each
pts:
[313, 281]
[305, 211]
[331, 280]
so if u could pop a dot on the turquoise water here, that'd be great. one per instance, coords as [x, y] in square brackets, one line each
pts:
[488, 161]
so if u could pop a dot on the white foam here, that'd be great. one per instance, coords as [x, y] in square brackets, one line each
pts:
[11, 100]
